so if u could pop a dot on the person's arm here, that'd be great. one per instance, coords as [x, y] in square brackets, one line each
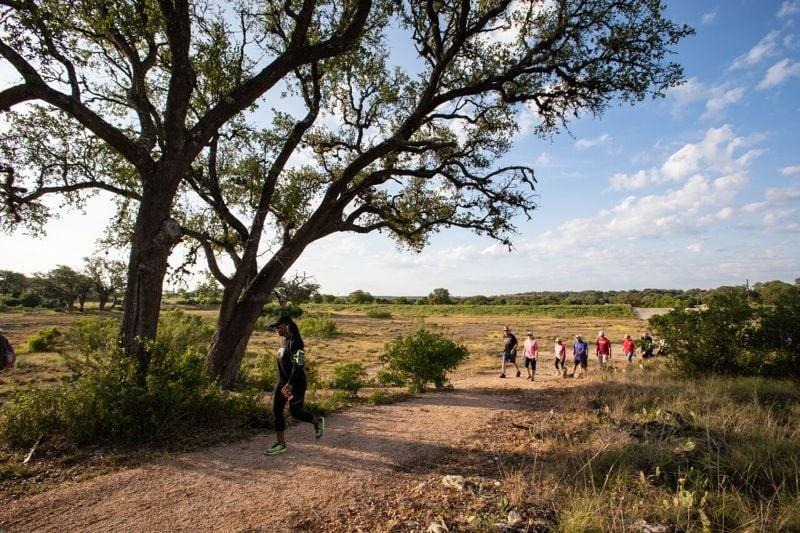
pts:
[298, 362]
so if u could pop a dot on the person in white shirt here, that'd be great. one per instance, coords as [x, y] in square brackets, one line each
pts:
[560, 353]
[531, 351]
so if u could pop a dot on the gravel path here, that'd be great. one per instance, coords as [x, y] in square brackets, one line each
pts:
[235, 487]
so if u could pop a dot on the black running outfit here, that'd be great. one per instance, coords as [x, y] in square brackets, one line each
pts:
[295, 375]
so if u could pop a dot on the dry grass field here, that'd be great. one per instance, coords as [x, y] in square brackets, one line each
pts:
[359, 338]
[641, 449]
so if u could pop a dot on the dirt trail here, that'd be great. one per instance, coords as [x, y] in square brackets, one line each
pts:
[235, 487]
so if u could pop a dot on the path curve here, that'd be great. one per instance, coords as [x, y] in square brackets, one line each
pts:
[235, 487]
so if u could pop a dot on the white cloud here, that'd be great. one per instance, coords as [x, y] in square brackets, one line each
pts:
[789, 8]
[720, 151]
[708, 18]
[720, 99]
[766, 47]
[543, 160]
[695, 247]
[781, 219]
[630, 182]
[790, 170]
[582, 144]
[754, 207]
[686, 94]
[528, 119]
[780, 72]
[717, 97]
[782, 194]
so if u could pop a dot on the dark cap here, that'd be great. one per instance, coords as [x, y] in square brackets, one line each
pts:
[283, 319]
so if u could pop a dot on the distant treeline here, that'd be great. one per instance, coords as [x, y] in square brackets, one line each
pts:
[767, 293]
[100, 280]
[413, 310]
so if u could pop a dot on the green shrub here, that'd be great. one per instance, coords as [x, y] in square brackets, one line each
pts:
[423, 357]
[336, 401]
[45, 340]
[264, 374]
[318, 326]
[108, 404]
[31, 299]
[733, 338]
[348, 377]
[275, 310]
[378, 397]
[387, 378]
[89, 342]
[178, 332]
[374, 313]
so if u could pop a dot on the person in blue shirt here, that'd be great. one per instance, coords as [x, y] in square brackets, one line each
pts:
[580, 354]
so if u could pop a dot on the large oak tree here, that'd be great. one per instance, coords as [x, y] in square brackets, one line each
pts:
[403, 138]
[123, 96]
[408, 141]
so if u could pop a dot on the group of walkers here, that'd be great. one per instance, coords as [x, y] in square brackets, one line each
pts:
[580, 353]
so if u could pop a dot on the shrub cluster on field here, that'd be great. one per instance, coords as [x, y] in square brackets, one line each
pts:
[734, 337]
[106, 401]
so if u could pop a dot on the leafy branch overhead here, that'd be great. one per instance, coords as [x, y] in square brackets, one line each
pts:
[414, 149]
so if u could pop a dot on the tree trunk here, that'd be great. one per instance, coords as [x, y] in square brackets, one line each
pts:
[154, 236]
[230, 341]
[102, 299]
[238, 317]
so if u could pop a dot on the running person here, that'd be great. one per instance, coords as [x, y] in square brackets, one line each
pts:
[628, 348]
[509, 351]
[580, 354]
[291, 385]
[530, 353]
[560, 353]
[603, 350]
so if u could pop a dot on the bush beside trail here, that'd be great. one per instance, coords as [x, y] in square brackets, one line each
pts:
[106, 402]
[424, 357]
[735, 338]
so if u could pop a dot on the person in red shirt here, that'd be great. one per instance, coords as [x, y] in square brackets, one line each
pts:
[628, 348]
[603, 350]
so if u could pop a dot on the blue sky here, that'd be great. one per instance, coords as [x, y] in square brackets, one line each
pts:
[699, 189]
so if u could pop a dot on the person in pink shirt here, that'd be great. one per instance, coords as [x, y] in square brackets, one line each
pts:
[628, 348]
[531, 352]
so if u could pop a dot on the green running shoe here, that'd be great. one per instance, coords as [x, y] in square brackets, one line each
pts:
[278, 447]
[319, 427]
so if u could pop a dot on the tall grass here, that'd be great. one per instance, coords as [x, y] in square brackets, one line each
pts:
[713, 453]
